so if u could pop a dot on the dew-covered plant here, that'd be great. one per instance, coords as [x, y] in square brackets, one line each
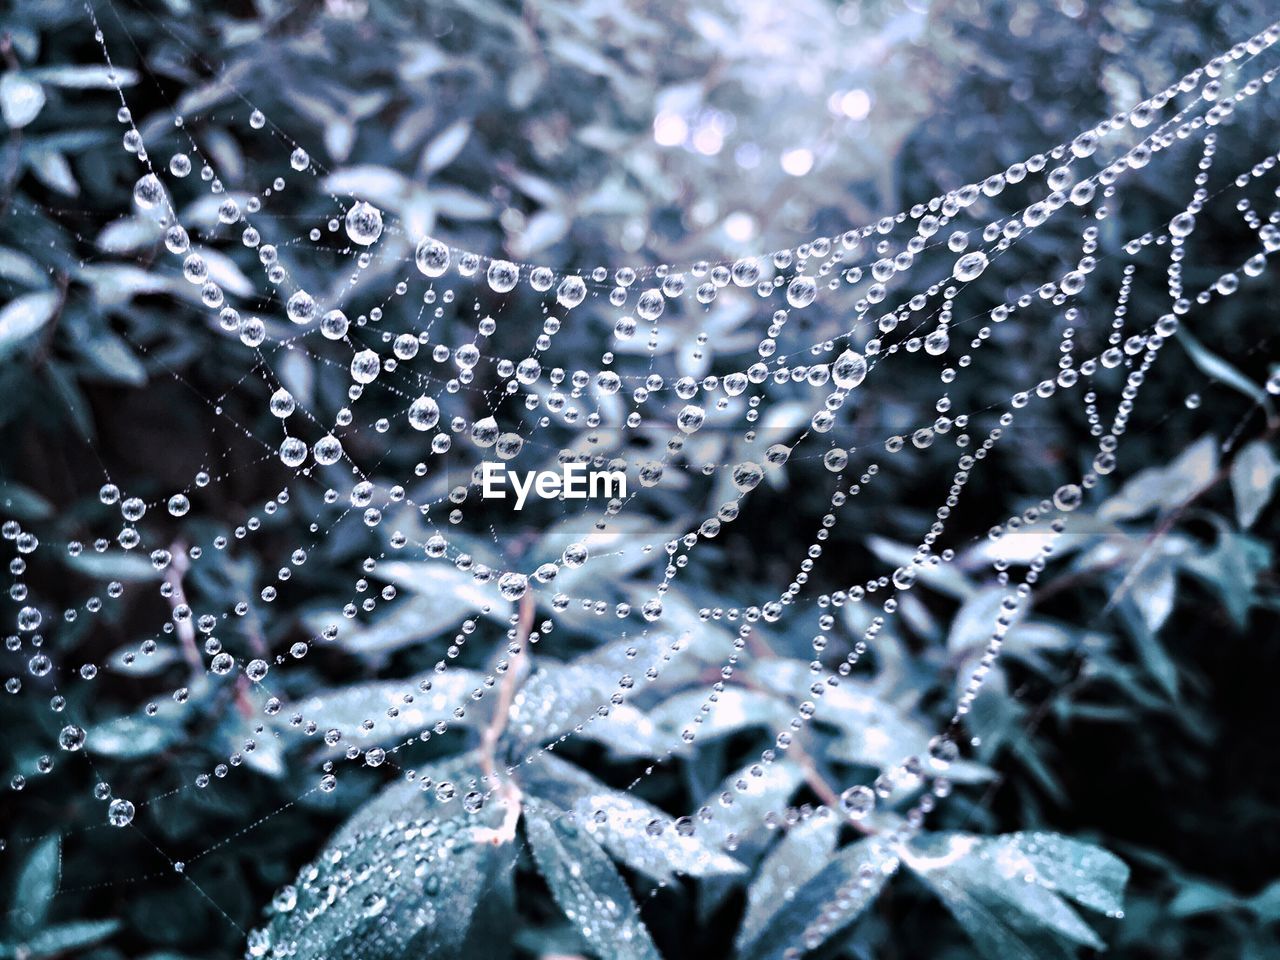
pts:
[945, 410]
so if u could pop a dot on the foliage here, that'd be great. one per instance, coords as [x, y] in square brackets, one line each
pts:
[1130, 714]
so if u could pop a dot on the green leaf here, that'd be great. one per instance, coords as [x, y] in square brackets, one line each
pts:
[63, 938]
[1220, 370]
[129, 234]
[443, 596]
[944, 578]
[1165, 488]
[1151, 652]
[20, 268]
[1253, 479]
[68, 391]
[52, 169]
[88, 77]
[24, 503]
[732, 710]
[1007, 892]
[23, 316]
[1153, 588]
[399, 880]
[744, 798]
[37, 884]
[1232, 569]
[347, 708]
[1089, 875]
[136, 735]
[116, 565]
[836, 895]
[407, 798]
[21, 99]
[559, 698]
[111, 357]
[797, 858]
[1198, 897]
[587, 887]
[446, 146]
[624, 828]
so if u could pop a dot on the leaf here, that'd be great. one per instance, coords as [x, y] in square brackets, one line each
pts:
[1091, 876]
[623, 829]
[1197, 897]
[1150, 650]
[114, 565]
[113, 359]
[1253, 479]
[445, 146]
[63, 938]
[1220, 370]
[224, 272]
[20, 268]
[1153, 589]
[68, 392]
[559, 698]
[797, 858]
[544, 228]
[873, 731]
[392, 884]
[732, 710]
[23, 503]
[21, 99]
[131, 663]
[944, 577]
[1165, 487]
[836, 895]
[975, 620]
[23, 316]
[346, 708]
[37, 884]
[339, 137]
[128, 234]
[1007, 892]
[587, 886]
[744, 798]
[455, 593]
[1266, 903]
[403, 798]
[52, 169]
[88, 77]
[459, 204]
[136, 735]
[1232, 569]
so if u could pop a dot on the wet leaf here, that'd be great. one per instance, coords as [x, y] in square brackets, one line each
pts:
[836, 895]
[63, 938]
[1253, 479]
[23, 316]
[623, 824]
[1007, 892]
[587, 887]
[21, 99]
[798, 857]
[37, 884]
[346, 708]
[446, 146]
[390, 886]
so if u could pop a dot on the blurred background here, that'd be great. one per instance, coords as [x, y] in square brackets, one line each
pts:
[1134, 712]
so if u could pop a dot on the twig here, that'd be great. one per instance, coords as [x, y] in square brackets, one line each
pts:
[507, 789]
[177, 569]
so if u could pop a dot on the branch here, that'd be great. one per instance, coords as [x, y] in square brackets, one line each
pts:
[507, 790]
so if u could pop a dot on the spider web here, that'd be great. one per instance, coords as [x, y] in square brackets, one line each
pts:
[464, 347]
